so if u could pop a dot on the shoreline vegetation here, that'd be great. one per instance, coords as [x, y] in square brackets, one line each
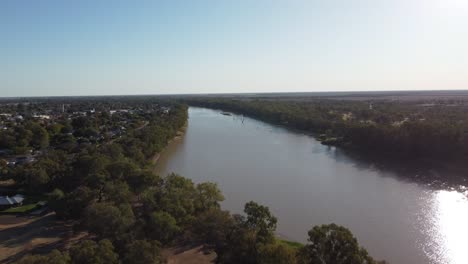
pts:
[431, 133]
[131, 215]
[179, 134]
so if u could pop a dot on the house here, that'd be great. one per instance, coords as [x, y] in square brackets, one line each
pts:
[43, 117]
[11, 201]
[165, 109]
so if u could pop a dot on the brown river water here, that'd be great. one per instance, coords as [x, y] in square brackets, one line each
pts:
[305, 183]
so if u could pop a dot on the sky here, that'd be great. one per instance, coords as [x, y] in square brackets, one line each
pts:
[87, 47]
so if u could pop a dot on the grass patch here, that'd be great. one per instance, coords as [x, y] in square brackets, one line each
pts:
[295, 245]
[20, 209]
[29, 204]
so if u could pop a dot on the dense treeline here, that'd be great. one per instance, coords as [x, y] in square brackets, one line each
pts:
[173, 208]
[437, 129]
[123, 237]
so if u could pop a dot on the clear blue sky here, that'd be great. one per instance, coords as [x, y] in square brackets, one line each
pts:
[160, 47]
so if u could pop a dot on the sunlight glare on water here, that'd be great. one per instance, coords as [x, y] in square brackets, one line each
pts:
[451, 217]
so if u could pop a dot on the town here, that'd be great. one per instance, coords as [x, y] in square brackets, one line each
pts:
[31, 130]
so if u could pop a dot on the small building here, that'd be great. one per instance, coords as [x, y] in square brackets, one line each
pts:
[11, 201]
[43, 117]
[165, 109]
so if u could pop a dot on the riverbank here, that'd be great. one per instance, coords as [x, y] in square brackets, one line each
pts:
[179, 135]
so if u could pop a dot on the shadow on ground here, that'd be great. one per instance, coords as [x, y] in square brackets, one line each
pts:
[20, 236]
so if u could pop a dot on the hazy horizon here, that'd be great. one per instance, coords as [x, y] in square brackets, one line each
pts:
[86, 48]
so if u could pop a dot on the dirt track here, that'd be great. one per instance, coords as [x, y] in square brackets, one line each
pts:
[28, 235]
[188, 255]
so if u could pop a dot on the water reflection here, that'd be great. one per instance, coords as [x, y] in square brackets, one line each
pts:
[450, 219]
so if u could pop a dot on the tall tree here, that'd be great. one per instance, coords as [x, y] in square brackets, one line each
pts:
[333, 244]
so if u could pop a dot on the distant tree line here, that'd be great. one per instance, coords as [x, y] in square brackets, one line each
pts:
[416, 129]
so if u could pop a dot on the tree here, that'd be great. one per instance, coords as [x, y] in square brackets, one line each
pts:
[72, 205]
[64, 142]
[55, 163]
[143, 252]
[88, 164]
[114, 151]
[117, 192]
[162, 226]
[140, 181]
[135, 152]
[260, 219]
[213, 227]
[40, 136]
[88, 251]
[249, 236]
[90, 132]
[208, 196]
[23, 136]
[34, 178]
[333, 244]
[241, 247]
[81, 123]
[67, 127]
[174, 195]
[120, 170]
[7, 139]
[109, 221]
[55, 128]
[98, 180]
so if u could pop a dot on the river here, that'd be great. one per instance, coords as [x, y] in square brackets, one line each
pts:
[305, 183]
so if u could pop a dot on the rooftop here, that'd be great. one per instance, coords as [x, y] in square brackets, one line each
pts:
[7, 200]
